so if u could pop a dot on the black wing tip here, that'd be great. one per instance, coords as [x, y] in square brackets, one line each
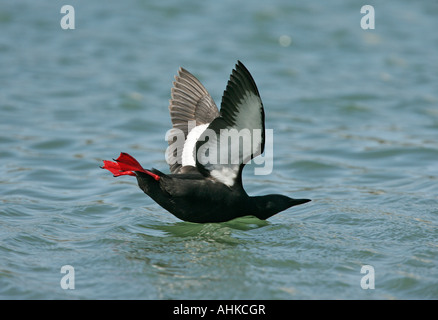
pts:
[239, 84]
[240, 65]
[240, 68]
[243, 77]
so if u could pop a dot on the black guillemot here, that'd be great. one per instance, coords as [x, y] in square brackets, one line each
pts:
[197, 188]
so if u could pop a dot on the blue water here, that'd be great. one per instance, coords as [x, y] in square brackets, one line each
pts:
[355, 119]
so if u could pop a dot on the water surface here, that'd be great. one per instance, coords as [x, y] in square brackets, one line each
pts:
[355, 119]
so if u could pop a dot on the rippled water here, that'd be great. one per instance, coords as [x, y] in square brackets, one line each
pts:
[355, 119]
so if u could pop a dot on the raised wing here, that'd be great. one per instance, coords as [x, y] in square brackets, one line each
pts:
[190, 105]
[238, 135]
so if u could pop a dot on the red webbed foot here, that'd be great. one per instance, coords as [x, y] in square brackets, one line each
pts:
[126, 164]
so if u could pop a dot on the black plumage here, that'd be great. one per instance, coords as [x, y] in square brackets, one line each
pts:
[208, 191]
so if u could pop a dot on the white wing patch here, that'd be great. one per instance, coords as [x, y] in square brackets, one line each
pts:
[249, 116]
[226, 175]
[234, 138]
[188, 154]
[234, 144]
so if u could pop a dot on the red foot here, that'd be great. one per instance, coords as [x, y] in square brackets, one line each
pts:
[126, 165]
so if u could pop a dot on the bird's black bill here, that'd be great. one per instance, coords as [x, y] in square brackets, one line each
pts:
[296, 202]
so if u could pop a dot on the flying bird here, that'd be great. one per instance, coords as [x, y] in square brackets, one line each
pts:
[205, 180]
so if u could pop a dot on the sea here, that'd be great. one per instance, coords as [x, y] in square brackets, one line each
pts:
[350, 91]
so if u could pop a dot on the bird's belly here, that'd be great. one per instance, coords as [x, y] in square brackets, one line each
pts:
[203, 209]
